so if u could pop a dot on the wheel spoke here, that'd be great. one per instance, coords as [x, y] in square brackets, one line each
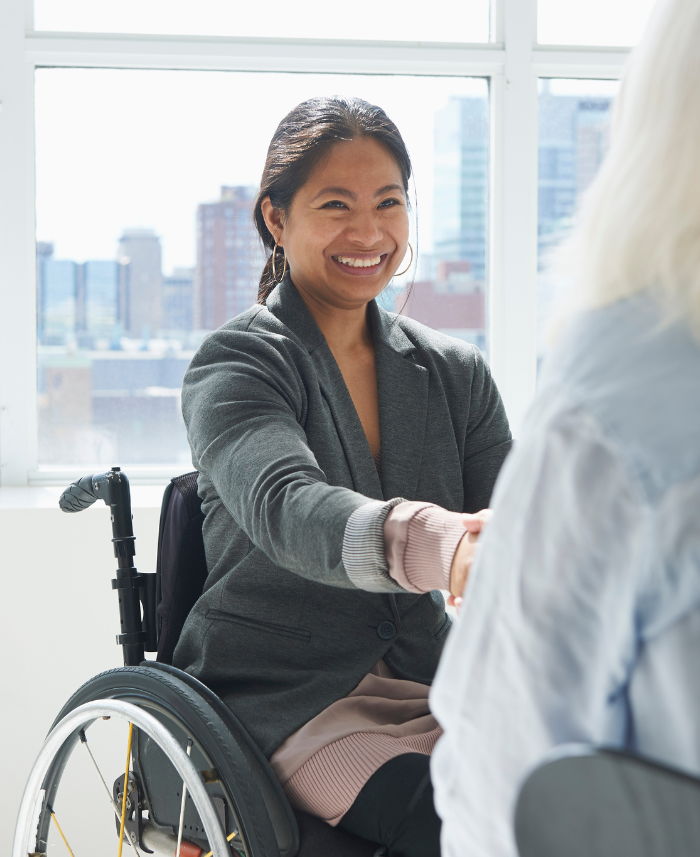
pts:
[58, 827]
[126, 788]
[117, 812]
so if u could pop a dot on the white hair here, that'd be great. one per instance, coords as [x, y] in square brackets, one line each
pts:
[639, 222]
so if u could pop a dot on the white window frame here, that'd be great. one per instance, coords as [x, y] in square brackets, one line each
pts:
[512, 62]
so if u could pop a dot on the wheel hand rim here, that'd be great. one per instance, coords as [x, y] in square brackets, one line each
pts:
[183, 803]
[88, 712]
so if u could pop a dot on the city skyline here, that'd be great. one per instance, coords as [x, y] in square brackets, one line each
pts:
[229, 253]
[574, 130]
[187, 134]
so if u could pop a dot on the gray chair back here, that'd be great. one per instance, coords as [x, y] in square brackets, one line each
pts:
[590, 802]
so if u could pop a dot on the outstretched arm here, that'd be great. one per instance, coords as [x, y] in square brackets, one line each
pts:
[244, 405]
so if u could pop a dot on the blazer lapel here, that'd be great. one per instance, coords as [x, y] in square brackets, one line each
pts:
[403, 406]
[403, 397]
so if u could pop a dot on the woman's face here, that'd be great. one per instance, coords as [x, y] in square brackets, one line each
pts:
[347, 230]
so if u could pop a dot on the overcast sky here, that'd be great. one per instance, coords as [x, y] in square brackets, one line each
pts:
[123, 148]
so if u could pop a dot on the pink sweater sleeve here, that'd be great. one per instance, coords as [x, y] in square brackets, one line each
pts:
[420, 541]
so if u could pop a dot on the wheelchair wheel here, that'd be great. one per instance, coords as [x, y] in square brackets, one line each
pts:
[171, 723]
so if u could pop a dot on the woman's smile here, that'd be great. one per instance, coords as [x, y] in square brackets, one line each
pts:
[360, 266]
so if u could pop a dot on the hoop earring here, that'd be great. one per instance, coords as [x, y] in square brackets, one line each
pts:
[284, 269]
[409, 264]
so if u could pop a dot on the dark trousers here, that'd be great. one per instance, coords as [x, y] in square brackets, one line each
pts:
[395, 808]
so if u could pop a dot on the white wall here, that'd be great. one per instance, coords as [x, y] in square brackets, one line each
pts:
[59, 620]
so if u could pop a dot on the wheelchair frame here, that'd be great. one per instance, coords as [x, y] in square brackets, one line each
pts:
[184, 736]
[229, 780]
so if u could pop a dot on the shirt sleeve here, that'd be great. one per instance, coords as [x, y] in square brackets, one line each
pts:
[545, 642]
[420, 540]
[401, 546]
[364, 556]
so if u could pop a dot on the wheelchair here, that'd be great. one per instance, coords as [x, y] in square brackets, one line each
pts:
[194, 784]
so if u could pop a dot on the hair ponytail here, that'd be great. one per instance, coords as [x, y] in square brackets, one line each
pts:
[301, 140]
[267, 281]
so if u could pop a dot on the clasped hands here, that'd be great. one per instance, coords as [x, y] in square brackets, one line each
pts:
[464, 555]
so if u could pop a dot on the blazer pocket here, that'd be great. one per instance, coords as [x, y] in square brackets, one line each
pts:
[255, 625]
[443, 627]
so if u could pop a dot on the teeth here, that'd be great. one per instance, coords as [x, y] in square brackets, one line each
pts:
[359, 263]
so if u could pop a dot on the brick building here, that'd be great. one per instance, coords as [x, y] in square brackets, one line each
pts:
[229, 258]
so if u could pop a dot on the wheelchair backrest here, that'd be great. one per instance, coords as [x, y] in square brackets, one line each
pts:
[182, 568]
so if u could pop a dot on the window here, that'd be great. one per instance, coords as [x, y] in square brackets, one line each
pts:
[120, 260]
[102, 107]
[312, 19]
[596, 22]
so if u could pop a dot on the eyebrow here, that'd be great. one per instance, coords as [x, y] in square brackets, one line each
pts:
[341, 191]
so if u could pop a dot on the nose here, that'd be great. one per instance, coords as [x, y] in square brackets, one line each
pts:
[365, 229]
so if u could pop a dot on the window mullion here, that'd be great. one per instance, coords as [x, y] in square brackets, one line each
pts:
[514, 213]
[288, 55]
[17, 266]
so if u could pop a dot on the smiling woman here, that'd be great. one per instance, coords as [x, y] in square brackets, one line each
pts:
[357, 228]
[346, 168]
[338, 446]
[336, 234]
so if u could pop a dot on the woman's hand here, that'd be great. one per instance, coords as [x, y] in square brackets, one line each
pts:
[464, 555]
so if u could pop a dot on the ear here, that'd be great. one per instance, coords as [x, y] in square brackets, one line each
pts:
[273, 218]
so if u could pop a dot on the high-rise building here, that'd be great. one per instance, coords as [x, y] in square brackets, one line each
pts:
[178, 296]
[574, 134]
[75, 301]
[100, 296]
[573, 139]
[461, 183]
[57, 314]
[229, 258]
[141, 283]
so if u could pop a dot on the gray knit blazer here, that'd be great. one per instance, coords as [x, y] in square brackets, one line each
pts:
[281, 631]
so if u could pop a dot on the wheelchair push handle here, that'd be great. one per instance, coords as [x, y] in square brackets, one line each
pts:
[137, 592]
[113, 488]
[83, 492]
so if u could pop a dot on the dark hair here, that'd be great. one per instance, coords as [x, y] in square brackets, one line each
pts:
[301, 140]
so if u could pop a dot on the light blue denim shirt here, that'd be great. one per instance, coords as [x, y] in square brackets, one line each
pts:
[581, 620]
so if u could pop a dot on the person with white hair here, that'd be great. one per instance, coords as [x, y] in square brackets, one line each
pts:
[581, 619]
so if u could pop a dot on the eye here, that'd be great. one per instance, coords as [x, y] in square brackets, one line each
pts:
[389, 203]
[334, 203]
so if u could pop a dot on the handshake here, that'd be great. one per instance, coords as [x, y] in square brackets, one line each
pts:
[465, 553]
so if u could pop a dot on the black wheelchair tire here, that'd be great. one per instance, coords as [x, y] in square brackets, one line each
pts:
[172, 699]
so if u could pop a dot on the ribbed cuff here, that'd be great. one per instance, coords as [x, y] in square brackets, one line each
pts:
[363, 547]
[420, 540]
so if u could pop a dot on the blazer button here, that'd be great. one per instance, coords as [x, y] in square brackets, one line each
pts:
[386, 630]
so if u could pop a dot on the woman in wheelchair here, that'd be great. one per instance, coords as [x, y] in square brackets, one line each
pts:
[338, 446]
